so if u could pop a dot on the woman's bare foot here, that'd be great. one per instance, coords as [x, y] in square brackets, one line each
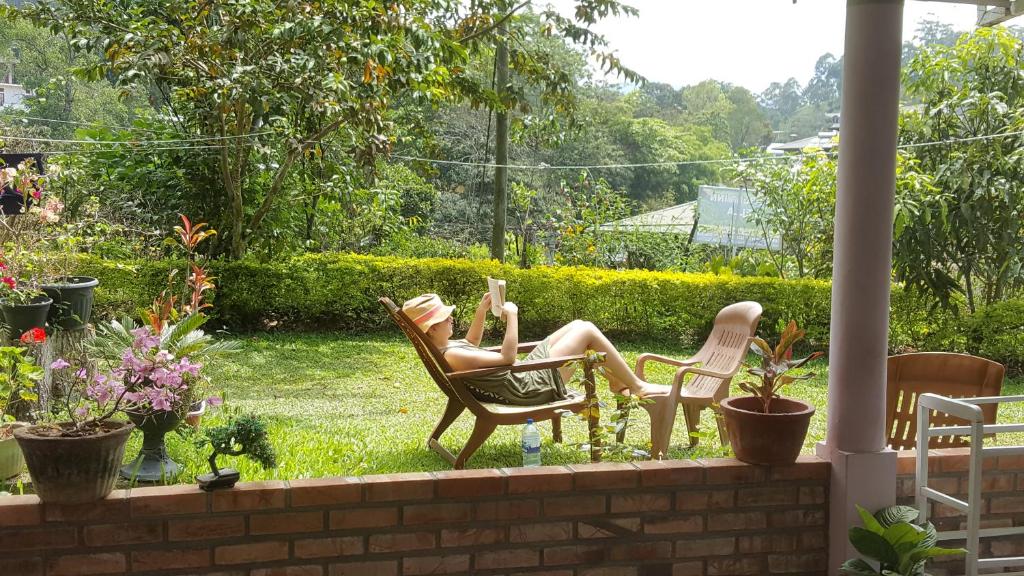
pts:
[648, 390]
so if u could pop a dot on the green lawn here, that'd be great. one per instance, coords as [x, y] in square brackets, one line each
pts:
[344, 404]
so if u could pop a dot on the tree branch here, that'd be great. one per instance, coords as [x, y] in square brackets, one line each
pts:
[494, 25]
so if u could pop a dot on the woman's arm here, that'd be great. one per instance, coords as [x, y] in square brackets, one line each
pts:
[471, 359]
[476, 328]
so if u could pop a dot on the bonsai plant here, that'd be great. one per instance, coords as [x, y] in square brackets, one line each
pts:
[899, 546]
[18, 376]
[242, 436]
[766, 428]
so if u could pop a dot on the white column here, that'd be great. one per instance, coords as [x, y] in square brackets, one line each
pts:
[863, 470]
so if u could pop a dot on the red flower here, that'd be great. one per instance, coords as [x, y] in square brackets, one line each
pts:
[34, 336]
[9, 281]
[2, 265]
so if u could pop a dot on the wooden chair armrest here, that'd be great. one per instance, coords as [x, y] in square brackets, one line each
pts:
[523, 348]
[642, 360]
[528, 366]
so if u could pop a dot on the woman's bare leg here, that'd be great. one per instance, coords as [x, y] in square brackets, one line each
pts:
[581, 336]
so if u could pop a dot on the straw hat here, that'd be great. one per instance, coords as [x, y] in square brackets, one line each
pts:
[427, 310]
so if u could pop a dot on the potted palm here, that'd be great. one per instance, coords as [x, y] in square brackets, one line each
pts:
[18, 376]
[766, 428]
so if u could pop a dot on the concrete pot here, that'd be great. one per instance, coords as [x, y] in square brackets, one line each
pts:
[11, 460]
[766, 439]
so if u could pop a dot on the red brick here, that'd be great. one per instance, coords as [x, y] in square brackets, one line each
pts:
[578, 554]
[363, 518]
[286, 523]
[250, 496]
[703, 500]
[574, 506]
[451, 564]
[20, 510]
[905, 488]
[959, 460]
[766, 496]
[507, 510]
[205, 528]
[906, 462]
[639, 551]
[1001, 547]
[691, 548]
[811, 495]
[797, 518]
[947, 484]
[91, 564]
[545, 573]
[324, 492]
[170, 558]
[675, 525]
[545, 532]
[1015, 463]
[128, 533]
[401, 542]
[806, 467]
[392, 487]
[383, 568]
[167, 500]
[608, 571]
[436, 513]
[794, 563]
[670, 472]
[288, 571]
[541, 479]
[498, 559]
[329, 547]
[115, 505]
[37, 538]
[991, 483]
[471, 536]
[811, 540]
[688, 569]
[605, 476]
[251, 553]
[657, 502]
[469, 483]
[735, 566]
[736, 521]
[1004, 504]
[21, 566]
[732, 471]
[762, 543]
[609, 528]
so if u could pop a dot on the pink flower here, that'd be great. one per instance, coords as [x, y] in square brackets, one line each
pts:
[59, 364]
[214, 401]
[9, 282]
[82, 374]
[81, 411]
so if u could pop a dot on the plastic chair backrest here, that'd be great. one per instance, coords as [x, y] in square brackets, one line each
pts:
[725, 348]
[944, 373]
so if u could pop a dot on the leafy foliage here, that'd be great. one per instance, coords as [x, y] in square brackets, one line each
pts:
[18, 376]
[895, 542]
[775, 363]
[242, 436]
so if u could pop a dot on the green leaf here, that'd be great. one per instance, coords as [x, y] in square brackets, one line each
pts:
[869, 521]
[894, 514]
[934, 552]
[902, 533]
[873, 546]
[857, 567]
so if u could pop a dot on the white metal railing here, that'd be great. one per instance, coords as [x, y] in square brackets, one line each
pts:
[968, 409]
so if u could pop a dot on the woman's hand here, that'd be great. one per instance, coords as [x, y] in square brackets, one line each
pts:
[485, 303]
[509, 309]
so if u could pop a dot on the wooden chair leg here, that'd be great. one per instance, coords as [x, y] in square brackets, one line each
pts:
[481, 431]
[622, 407]
[556, 429]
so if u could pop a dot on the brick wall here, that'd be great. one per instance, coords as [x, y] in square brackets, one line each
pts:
[1002, 492]
[675, 518]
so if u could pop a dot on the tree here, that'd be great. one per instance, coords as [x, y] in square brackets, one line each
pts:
[706, 104]
[748, 126]
[963, 232]
[781, 101]
[825, 87]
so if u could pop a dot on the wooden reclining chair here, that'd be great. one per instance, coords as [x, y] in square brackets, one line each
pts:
[712, 368]
[489, 415]
[952, 375]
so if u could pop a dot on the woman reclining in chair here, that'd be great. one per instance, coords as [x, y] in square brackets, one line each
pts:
[432, 316]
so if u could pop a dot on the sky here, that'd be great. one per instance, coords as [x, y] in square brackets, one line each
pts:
[751, 43]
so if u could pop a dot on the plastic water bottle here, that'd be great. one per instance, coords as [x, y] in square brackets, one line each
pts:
[531, 444]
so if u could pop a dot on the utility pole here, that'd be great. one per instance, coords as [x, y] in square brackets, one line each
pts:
[500, 150]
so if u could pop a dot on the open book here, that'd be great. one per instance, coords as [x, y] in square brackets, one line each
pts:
[497, 289]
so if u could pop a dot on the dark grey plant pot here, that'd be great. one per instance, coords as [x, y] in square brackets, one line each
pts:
[21, 318]
[153, 464]
[72, 301]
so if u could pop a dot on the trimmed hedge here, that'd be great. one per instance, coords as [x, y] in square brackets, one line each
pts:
[997, 331]
[339, 292]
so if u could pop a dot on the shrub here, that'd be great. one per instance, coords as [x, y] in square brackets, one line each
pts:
[339, 292]
[997, 332]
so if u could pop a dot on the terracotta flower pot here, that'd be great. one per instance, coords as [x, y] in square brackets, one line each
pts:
[759, 438]
[73, 470]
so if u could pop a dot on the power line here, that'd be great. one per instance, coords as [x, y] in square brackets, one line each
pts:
[77, 123]
[134, 142]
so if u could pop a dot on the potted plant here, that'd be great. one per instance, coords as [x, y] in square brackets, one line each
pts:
[20, 183]
[242, 436]
[18, 376]
[892, 539]
[24, 306]
[765, 428]
[72, 298]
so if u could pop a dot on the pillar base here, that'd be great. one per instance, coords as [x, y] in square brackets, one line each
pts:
[867, 479]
